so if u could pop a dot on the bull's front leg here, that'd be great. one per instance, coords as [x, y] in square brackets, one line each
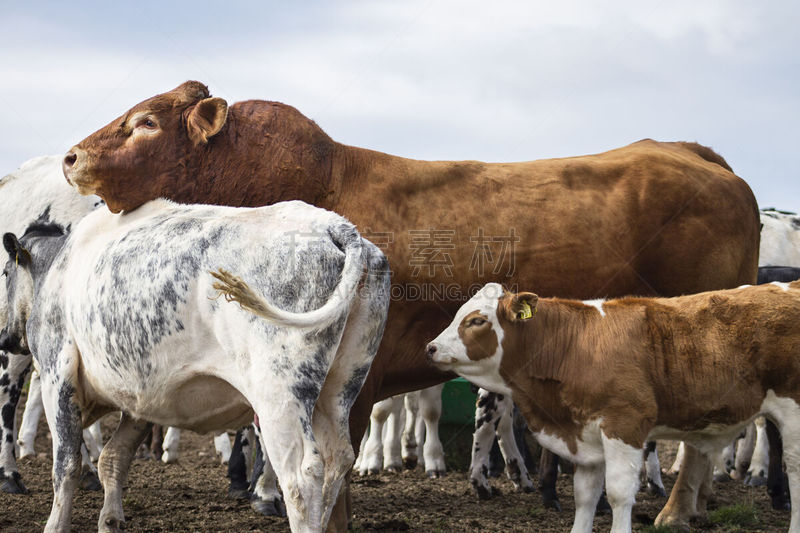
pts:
[64, 421]
[115, 461]
[14, 370]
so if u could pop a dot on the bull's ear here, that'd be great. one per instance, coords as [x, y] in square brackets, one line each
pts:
[521, 306]
[15, 250]
[206, 119]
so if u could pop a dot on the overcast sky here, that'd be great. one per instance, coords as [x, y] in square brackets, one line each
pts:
[493, 81]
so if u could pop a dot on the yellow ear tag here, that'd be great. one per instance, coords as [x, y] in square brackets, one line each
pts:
[526, 313]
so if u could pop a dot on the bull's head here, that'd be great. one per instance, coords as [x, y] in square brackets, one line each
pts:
[128, 161]
[19, 286]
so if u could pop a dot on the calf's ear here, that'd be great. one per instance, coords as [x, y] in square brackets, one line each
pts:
[16, 252]
[521, 306]
[206, 118]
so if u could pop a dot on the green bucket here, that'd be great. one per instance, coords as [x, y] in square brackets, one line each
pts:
[458, 403]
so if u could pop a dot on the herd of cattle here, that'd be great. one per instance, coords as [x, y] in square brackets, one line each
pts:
[224, 263]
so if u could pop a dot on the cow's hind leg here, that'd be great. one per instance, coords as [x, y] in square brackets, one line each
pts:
[30, 417]
[430, 410]
[516, 470]
[64, 421]
[683, 500]
[655, 486]
[266, 499]
[14, 370]
[115, 461]
[786, 414]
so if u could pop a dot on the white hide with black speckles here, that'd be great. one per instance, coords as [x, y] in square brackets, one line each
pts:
[127, 318]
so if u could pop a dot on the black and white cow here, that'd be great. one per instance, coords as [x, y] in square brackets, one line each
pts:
[123, 314]
[35, 192]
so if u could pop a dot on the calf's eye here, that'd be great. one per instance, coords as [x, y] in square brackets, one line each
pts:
[477, 321]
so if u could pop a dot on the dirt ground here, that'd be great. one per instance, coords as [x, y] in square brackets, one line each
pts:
[191, 496]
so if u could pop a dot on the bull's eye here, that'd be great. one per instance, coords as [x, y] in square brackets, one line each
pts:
[477, 321]
[146, 123]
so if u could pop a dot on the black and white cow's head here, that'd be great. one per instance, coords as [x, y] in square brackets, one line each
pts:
[29, 257]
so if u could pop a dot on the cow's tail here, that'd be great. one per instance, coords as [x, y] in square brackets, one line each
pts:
[345, 237]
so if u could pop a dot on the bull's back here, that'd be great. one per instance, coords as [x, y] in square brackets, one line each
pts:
[650, 218]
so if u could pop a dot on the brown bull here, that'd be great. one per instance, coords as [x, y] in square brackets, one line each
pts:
[649, 219]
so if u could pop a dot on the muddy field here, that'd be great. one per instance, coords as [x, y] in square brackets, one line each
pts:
[191, 496]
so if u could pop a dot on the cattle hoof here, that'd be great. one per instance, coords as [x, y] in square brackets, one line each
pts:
[755, 481]
[722, 478]
[410, 463]
[90, 481]
[393, 469]
[372, 472]
[527, 489]
[239, 493]
[483, 492]
[268, 508]
[14, 485]
[553, 504]
[781, 503]
[434, 474]
[113, 525]
[655, 490]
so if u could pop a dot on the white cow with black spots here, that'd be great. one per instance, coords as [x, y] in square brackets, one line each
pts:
[123, 314]
[34, 192]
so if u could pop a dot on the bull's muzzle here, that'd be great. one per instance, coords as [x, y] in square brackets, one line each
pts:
[68, 164]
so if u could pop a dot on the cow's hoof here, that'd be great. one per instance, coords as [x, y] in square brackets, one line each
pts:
[434, 474]
[410, 463]
[90, 481]
[373, 471]
[268, 507]
[756, 481]
[393, 469]
[238, 493]
[552, 503]
[484, 492]
[527, 489]
[654, 490]
[781, 503]
[722, 478]
[14, 485]
[111, 525]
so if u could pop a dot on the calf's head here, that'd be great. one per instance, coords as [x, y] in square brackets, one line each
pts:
[128, 161]
[472, 345]
[19, 288]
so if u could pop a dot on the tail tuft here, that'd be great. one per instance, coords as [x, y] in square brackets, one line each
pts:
[234, 289]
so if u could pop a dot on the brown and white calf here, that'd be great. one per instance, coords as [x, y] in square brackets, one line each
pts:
[598, 379]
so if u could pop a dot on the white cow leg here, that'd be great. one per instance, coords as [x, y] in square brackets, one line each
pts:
[623, 464]
[676, 465]
[759, 464]
[248, 441]
[744, 453]
[430, 410]
[89, 479]
[486, 414]
[172, 440]
[652, 468]
[14, 370]
[392, 458]
[115, 461]
[361, 447]
[516, 470]
[30, 417]
[372, 461]
[786, 414]
[222, 445]
[588, 486]
[64, 421]
[410, 444]
[94, 440]
[267, 499]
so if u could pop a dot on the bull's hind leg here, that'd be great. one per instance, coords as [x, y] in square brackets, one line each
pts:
[115, 461]
[64, 421]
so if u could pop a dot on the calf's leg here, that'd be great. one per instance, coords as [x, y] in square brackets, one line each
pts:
[486, 416]
[30, 417]
[430, 410]
[623, 464]
[588, 486]
[516, 470]
[683, 500]
[776, 480]
[655, 485]
[14, 370]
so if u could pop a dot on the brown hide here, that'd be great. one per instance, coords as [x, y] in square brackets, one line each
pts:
[650, 218]
[683, 363]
